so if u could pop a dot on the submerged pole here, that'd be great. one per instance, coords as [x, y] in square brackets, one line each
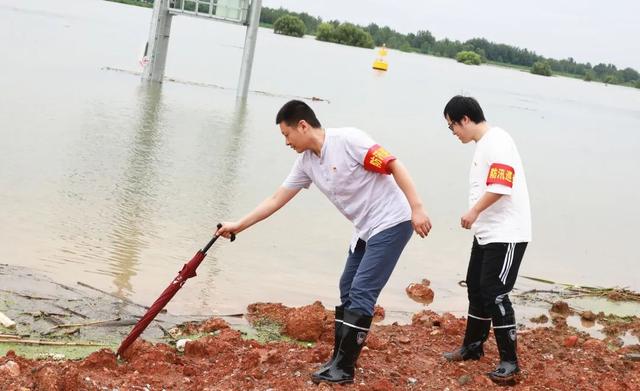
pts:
[158, 42]
[249, 49]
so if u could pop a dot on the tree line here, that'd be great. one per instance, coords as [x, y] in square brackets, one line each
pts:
[424, 42]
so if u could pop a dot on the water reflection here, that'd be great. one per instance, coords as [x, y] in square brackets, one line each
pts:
[136, 192]
[223, 182]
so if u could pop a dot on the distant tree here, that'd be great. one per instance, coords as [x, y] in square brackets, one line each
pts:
[446, 48]
[406, 47]
[325, 32]
[611, 79]
[344, 33]
[637, 85]
[604, 69]
[589, 76]
[541, 68]
[423, 40]
[469, 58]
[629, 74]
[268, 16]
[289, 25]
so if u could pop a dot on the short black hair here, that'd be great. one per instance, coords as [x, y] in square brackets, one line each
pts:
[459, 106]
[294, 111]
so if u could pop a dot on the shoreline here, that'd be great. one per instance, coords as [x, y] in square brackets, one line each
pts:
[278, 347]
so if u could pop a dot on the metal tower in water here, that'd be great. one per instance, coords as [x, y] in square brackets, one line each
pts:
[244, 12]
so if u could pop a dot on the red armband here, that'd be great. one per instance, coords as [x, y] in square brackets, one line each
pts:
[378, 159]
[500, 174]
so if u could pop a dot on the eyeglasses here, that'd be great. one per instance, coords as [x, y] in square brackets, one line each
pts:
[450, 125]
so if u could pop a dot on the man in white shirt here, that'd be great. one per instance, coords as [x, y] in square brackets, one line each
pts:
[372, 189]
[500, 217]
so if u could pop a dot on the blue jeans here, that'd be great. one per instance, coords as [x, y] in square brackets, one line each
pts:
[369, 267]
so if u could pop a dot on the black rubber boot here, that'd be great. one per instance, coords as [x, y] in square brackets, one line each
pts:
[355, 328]
[338, 337]
[507, 371]
[475, 335]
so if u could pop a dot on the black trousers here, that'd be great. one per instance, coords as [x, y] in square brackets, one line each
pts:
[493, 269]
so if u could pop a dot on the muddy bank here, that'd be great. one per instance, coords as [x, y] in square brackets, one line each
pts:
[396, 357]
[79, 319]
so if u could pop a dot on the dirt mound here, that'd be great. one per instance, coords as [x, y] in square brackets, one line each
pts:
[396, 357]
[308, 323]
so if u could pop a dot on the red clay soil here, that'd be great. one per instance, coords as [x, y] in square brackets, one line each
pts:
[420, 292]
[396, 357]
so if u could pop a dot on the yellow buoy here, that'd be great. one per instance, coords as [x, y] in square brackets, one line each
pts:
[379, 63]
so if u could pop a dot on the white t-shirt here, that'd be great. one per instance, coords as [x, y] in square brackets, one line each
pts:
[372, 201]
[497, 168]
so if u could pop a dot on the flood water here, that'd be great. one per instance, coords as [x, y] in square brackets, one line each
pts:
[108, 181]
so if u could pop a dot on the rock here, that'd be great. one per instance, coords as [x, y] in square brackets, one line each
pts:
[570, 341]
[378, 313]
[588, 315]
[420, 292]
[540, 319]
[9, 369]
[181, 343]
[562, 308]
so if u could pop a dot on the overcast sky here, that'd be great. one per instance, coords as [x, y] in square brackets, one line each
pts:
[589, 31]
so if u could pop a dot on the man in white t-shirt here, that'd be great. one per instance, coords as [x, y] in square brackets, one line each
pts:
[500, 217]
[372, 189]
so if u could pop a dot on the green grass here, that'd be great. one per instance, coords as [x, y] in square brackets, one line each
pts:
[265, 331]
[38, 351]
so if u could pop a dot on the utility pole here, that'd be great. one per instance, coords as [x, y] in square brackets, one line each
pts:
[158, 43]
[249, 49]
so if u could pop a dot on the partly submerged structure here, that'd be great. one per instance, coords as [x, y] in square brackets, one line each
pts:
[243, 12]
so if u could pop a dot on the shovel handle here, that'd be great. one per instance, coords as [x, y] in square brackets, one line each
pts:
[214, 238]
